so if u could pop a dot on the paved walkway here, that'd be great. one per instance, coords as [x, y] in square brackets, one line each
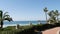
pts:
[52, 31]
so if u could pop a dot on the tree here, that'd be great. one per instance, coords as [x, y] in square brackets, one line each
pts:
[3, 17]
[57, 14]
[53, 16]
[45, 10]
[51, 13]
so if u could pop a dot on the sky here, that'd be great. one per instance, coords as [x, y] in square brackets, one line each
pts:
[27, 10]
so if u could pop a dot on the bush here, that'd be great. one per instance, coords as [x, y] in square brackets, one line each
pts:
[28, 29]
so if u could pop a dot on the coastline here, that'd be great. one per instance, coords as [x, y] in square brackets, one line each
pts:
[21, 23]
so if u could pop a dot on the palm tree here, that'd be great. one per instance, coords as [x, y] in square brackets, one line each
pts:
[53, 14]
[57, 14]
[45, 10]
[3, 17]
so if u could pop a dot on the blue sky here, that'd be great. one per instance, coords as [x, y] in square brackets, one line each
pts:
[22, 10]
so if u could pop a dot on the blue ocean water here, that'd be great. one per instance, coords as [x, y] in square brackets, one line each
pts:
[14, 23]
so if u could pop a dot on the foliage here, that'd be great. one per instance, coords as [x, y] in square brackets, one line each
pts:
[53, 16]
[3, 17]
[28, 29]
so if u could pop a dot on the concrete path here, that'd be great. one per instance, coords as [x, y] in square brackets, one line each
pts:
[52, 31]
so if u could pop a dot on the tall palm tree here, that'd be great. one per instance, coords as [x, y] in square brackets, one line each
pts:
[3, 17]
[45, 10]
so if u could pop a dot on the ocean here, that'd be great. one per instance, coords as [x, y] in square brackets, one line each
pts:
[22, 23]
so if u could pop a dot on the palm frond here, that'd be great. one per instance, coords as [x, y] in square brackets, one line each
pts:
[8, 19]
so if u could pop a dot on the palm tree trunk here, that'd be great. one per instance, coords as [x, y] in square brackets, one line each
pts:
[57, 19]
[1, 21]
[46, 16]
[1, 24]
